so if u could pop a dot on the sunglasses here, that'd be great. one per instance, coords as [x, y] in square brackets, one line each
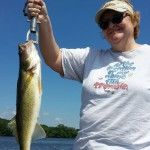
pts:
[116, 19]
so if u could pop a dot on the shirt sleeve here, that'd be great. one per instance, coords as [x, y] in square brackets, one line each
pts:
[73, 62]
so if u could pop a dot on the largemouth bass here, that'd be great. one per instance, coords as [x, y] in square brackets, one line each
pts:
[29, 93]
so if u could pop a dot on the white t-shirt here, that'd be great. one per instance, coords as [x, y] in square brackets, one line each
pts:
[115, 111]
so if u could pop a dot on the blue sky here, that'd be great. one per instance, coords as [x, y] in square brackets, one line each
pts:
[73, 26]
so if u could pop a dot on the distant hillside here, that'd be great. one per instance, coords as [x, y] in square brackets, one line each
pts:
[61, 131]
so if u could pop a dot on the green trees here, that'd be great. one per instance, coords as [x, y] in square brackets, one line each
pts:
[4, 130]
[61, 131]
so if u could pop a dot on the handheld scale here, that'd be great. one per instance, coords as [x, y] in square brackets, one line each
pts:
[32, 29]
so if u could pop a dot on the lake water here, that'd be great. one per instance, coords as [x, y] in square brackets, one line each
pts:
[9, 143]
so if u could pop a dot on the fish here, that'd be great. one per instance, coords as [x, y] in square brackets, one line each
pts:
[28, 100]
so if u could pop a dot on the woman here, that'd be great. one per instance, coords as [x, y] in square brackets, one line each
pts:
[115, 113]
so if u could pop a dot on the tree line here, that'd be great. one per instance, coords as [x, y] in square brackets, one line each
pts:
[61, 131]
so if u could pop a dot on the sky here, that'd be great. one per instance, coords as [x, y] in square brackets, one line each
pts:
[73, 27]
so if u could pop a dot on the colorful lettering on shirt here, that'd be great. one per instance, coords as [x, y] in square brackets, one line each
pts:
[115, 77]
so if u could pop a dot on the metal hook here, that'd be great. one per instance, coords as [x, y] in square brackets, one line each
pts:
[33, 26]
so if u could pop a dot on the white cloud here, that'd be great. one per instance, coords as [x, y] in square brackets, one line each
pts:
[8, 114]
[58, 120]
[45, 114]
[13, 113]
[4, 115]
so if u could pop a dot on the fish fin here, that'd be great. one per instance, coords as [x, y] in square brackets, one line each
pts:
[39, 132]
[12, 126]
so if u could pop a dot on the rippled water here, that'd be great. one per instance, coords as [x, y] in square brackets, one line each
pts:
[9, 143]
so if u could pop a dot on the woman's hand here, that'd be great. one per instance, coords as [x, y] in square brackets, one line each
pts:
[37, 8]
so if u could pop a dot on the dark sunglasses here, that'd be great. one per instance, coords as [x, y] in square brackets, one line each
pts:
[116, 19]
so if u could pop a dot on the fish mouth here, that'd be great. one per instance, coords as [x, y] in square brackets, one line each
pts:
[25, 49]
[21, 48]
[23, 52]
[29, 58]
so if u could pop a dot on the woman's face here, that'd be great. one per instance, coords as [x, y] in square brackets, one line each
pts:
[118, 33]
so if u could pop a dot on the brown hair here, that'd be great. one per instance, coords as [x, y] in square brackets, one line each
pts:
[135, 18]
